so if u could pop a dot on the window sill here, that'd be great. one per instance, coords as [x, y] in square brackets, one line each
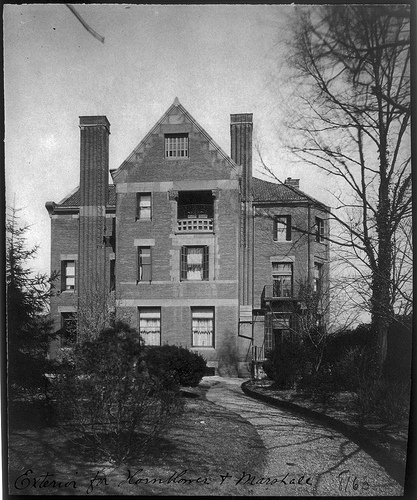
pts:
[137, 219]
[202, 347]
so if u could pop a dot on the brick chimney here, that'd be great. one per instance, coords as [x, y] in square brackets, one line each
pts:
[292, 182]
[94, 184]
[241, 126]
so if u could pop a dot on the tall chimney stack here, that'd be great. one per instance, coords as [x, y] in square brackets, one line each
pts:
[241, 152]
[94, 184]
[241, 126]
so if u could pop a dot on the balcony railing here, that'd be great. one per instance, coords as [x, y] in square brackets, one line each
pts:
[276, 293]
[195, 218]
[204, 211]
[258, 353]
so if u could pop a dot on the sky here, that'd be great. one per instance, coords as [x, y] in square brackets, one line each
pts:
[217, 59]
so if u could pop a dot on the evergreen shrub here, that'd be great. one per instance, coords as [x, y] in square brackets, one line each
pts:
[175, 365]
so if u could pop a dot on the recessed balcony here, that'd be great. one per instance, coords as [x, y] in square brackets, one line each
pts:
[195, 217]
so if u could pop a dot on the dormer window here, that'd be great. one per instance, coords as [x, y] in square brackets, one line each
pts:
[176, 145]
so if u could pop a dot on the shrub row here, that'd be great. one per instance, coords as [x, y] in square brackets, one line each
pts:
[348, 364]
[115, 396]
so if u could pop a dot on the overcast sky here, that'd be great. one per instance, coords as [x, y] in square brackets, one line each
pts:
[217, 59]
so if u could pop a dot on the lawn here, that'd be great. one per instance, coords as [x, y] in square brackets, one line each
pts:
[204, 444]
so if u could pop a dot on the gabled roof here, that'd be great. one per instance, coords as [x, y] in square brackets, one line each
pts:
[265, 191]
[73, 200]
[176, 105]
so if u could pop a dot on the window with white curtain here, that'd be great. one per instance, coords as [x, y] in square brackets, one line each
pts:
[202, 326]
[194, 263]
[150, 325]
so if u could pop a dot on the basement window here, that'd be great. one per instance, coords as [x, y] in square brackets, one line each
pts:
[176, 145]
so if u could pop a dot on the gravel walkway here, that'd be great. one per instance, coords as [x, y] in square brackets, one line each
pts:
[303, 458]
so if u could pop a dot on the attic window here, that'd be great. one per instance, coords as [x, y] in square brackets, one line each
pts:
[176, 145]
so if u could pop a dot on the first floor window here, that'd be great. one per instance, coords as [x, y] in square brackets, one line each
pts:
[68, 275]
[319, 230]
[202, 326]
[281, 330]
[282, 228]
[318, 273]
[143, 206]
[194, 263]
[282, 279]
[144, 264]
[68, 329]
[150, 325]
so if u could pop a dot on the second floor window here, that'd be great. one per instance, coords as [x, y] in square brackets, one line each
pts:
[143, 206]
[176, 145]
[282, 279]
[319, 230]
[68, 275]
[194, 263]
[282, 228]
[144, 264]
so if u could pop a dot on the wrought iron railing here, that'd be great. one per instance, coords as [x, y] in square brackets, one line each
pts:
[277, 291]
[200, 211]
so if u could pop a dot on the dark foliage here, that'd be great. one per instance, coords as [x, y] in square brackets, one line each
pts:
[29, 330]
[175, 365]
[286, 363]
[109, 401]
[320, 385]
[398, 363]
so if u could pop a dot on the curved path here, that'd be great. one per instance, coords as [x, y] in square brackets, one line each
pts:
[303, 457]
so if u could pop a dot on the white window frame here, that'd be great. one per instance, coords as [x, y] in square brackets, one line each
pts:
[202, 332]
[67, 278]
[150, 333]
[318, 277]
[283, 232]
[282, 276]
[143, 206]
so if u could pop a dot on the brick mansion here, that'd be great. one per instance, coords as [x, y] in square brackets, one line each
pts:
[195, 250]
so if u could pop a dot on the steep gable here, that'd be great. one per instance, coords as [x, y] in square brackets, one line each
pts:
[175, 120]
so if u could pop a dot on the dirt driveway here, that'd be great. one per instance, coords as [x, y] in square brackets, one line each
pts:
[303, 457]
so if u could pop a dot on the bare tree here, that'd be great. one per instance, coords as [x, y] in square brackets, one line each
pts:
[353, 123]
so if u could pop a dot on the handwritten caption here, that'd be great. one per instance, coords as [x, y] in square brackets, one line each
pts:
[30, 480]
